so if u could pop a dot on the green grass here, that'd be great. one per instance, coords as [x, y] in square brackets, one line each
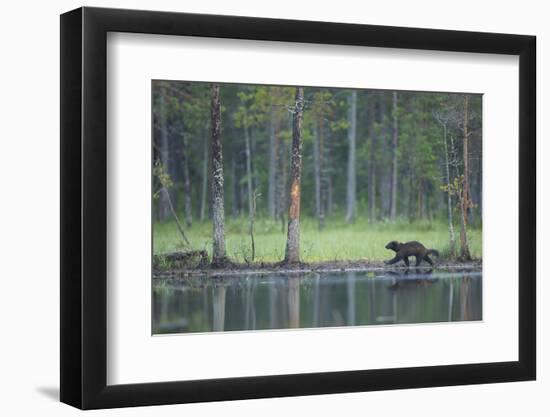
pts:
[337, 241]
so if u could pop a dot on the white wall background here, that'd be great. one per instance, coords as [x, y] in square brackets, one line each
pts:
[29, 225]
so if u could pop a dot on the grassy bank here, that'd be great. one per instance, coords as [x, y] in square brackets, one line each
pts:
[337, 241]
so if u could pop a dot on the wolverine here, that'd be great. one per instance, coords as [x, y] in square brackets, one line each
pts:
[404, 250]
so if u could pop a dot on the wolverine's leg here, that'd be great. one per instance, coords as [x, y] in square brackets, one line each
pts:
[418, 260]
[406, 260]
[429, 260]
[396, 259]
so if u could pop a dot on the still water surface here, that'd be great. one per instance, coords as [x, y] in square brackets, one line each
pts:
[259, 302]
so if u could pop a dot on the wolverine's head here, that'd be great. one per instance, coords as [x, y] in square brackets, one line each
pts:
[393, 245]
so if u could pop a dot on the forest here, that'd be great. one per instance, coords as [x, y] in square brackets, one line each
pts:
[253, 174]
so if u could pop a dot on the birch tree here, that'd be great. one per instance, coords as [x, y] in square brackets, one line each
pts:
[281, 206]
[444, 120]
[218, 239]
[204, 187]
[188, 210]
[317, 170]
[465, 199]
[292, 252]
[321, 108]
[371, 179]
[164, 198]
[352, 138]
[393, 201]
[249, 186]
[273, 152]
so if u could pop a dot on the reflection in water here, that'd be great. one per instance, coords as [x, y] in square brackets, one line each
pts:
[294, 302]
[351, 298]
[255, 302]
[464, 286]
[218, 304]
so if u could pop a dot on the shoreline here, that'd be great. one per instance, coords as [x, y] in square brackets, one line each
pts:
[304, 268]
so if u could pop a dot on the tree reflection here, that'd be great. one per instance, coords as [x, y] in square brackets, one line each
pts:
[273, 319]
[218, 304]
[464, 305]
[351, 298]
[294, 301]
[316, 300]
[321, 300]
[250, 309]
[451, 288]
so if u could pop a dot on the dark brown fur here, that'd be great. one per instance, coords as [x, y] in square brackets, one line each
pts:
[404, 250]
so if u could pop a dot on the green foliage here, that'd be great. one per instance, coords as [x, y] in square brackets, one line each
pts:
[455, 186]
[160, 173]
[162, 177]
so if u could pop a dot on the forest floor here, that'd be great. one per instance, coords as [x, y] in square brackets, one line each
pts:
[338, 247]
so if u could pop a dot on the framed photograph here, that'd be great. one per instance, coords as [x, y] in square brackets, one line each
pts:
[256, 208]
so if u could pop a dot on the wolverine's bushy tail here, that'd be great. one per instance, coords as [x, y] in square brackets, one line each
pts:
[433, 251]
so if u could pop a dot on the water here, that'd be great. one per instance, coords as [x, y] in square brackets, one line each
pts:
[276, 301]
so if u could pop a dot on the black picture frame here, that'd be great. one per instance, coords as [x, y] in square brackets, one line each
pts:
[84, 207]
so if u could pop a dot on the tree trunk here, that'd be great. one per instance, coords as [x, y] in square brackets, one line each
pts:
[449, 197]
[393, 201]
[249, 186]
[326, 174]
[253, 179]
[330, 194]
[164, 203]
[384, 175]
[410, 199]
[218, 240]
[480, 187]
[271, 179]
[318, 170]
[243, 192]
[466, 157]
[419, 202]
[372, 166]
[186, 183]
[251, 229]
[352, 138]
[465, 200]
[292, 253]
[282, 205]
[234, 189]
[204, 180]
